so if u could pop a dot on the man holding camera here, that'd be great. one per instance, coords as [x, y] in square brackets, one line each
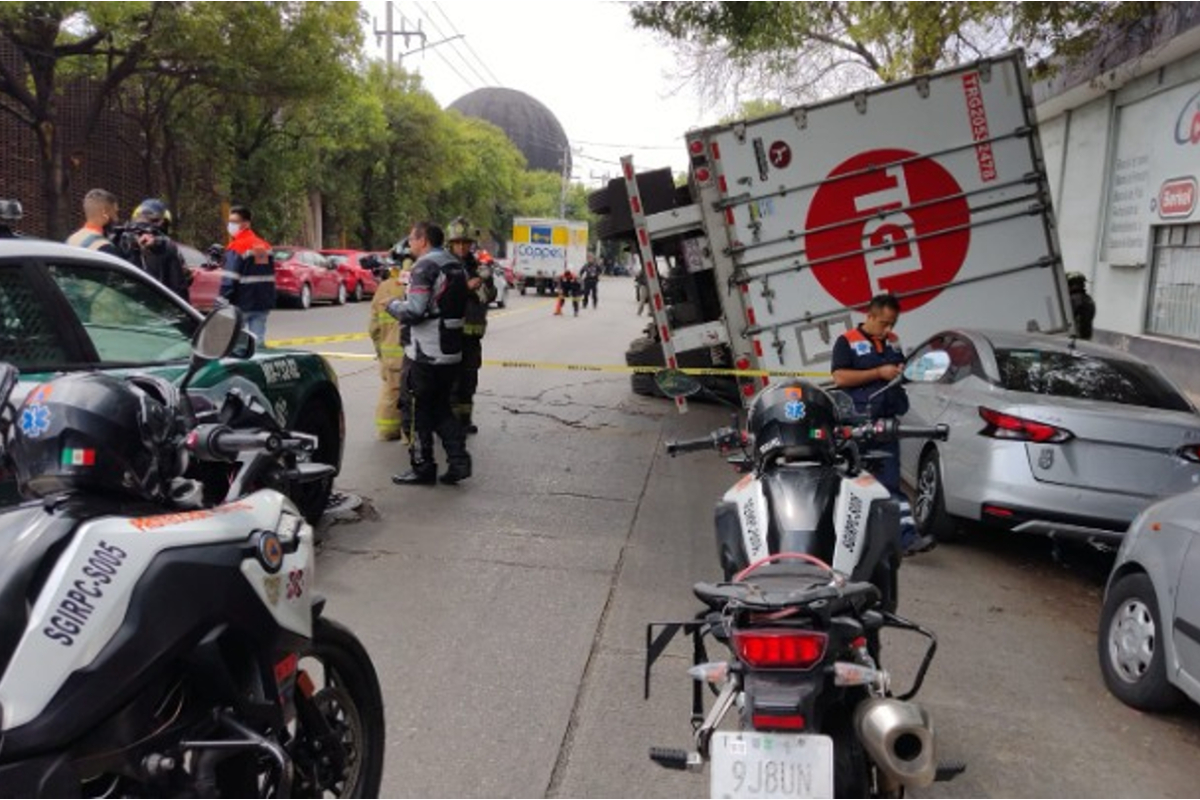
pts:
[159, 256]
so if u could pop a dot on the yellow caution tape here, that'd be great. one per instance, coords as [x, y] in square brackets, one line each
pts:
[304, 340]
[618, 368]
[358, 337]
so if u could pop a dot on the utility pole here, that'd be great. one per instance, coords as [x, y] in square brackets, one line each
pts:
[391, 33]
[566, 179]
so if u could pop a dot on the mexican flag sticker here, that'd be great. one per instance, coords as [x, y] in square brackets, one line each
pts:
[78, 457]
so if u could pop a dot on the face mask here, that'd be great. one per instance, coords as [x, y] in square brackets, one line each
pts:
[233, 228]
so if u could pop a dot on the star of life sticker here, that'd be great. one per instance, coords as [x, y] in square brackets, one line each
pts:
[35, 420]
[794, 410]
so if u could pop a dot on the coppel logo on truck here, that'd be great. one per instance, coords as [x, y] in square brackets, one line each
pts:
[541, 251]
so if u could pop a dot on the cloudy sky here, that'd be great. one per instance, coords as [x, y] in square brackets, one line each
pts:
[608, 84]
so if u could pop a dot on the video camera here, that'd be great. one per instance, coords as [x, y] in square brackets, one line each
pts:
[127, 236]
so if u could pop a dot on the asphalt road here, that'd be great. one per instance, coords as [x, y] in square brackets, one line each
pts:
[506, 616]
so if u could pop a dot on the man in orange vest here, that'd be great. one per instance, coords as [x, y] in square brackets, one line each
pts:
[100, 212]
[865, 360]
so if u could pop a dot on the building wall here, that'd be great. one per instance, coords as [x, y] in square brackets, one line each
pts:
[1108, 157]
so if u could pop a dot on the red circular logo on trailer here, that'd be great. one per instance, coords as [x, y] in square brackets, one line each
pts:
[780, 154]
[864, 243]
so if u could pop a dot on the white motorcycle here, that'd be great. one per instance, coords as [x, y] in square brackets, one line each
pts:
[151, 647]
[809, 543]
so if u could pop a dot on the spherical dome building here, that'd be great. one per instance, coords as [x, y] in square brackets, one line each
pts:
[531, 126]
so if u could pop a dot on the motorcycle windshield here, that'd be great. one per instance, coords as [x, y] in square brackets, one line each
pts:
[801, 500]
[27, 534]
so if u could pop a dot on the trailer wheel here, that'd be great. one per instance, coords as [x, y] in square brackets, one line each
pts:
[644, 352]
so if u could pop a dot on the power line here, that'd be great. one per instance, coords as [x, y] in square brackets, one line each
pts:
[631, 146]
[470, 84]
[453, 47]
[496, 81]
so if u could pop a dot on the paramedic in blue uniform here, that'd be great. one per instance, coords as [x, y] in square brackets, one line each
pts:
[865, 359]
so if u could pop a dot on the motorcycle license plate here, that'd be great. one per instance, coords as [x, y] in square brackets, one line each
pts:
[770, 765]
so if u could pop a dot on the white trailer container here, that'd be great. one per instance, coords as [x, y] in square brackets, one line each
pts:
[933, 189]
[543, 248]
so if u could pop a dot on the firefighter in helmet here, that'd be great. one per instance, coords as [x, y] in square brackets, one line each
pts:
[460, 240]
[384, 330]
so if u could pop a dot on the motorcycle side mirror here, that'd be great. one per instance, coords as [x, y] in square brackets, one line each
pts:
[675, 383]
[214, 339]
[844, 404]
[929, 368]
[217, 335]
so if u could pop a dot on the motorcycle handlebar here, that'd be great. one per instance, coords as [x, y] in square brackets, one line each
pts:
[941, 432]
[219, 443]
[891, 430]
[689, 445]
[717, 440]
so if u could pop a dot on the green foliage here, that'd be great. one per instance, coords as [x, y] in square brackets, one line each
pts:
[270, 104]
[891, 40]
[753, 109]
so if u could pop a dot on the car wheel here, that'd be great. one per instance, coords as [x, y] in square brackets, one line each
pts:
[317, 419]
[306, 297]
[340, 300]
[929, 508]
[1131, 643]
[358, 292]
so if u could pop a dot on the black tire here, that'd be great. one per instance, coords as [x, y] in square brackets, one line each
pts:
[348, 696]
[317, 419]
[358, 292]
[1132, 646]
[340, 299]
[929, 505]
[305, 300]
[644, 352]
[522, 290]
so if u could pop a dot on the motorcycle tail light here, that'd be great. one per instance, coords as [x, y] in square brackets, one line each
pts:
[778, 722]
[780, 648]
[1007, 426]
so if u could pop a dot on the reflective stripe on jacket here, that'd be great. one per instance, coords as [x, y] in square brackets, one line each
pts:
[383, 328]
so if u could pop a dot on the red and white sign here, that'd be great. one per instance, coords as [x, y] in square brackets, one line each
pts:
[780, 154]
[919, 241]
[977, 114]
[1177, 198]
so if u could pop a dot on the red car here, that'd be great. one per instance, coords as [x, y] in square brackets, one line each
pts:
[360, 281]
[304, 276]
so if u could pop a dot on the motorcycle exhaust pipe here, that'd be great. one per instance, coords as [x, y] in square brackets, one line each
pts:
[899, 738]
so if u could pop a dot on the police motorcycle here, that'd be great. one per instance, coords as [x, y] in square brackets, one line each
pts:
[154, 646]
[809, 544]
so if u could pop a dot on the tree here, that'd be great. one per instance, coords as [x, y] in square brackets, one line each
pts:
[56, 42]
[753, 109]
[817, 46]
[486, 177]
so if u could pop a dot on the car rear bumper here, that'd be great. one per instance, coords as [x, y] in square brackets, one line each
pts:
[1000, 489]
[1055, 525]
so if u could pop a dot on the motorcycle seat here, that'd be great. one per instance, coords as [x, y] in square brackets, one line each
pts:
[771, 586]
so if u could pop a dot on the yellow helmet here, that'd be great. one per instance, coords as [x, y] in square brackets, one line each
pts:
[459, 230]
